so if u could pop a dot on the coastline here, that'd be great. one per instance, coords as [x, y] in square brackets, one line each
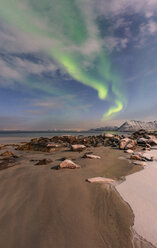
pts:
[62, 206]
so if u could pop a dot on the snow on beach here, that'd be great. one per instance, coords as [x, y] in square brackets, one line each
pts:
[140, 191]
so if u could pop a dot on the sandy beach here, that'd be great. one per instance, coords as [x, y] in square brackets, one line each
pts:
[44, 207]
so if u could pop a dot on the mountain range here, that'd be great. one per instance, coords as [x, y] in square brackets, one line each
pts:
[130, 126]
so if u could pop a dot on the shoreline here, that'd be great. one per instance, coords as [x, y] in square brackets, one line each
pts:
[106, 215]
[136, 190]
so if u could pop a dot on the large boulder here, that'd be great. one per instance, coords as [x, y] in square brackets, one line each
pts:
[108, 135]
[123, 143]
[78, 148]
[68, 164]
[141, 157]
[127, 143]
[100, 180]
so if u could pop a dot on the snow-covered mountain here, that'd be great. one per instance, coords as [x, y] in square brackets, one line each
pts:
[137, 125]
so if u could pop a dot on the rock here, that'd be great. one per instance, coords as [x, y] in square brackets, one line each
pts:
[116, 139]
[139, 163]
[100, 180]
[130, 145]
[146, 149]
[52, 150]
[126, 143]
[64, 158]
[136, 157]
[8, 154]
[138, 153]
[44, 161]
[140, 133]
[123, 143]
[141, 157]
[152, 142]
[34, 140]
[114, 145]
[68, 164]
[108, 135]
[86, 141]
[142, 141]
[147, 158]
[7, 162]
[146, 136]
[91, 156]
[69, 139]
[78, 148]
[53, 145]
[129, 151]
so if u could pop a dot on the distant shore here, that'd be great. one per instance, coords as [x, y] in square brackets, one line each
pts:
[25, 136]
[44, 207]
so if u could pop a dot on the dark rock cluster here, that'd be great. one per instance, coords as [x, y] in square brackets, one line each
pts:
[140, 140]
[137, 139]
[7, 160]
[44, 161]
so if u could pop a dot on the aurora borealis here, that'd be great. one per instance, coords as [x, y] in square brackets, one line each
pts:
[75, 53]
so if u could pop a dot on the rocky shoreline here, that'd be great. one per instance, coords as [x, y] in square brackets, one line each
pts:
[141, 140]
[93, 157]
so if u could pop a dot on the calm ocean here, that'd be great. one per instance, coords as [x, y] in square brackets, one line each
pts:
[24, 136]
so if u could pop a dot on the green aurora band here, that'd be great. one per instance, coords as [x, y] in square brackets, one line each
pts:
[71, 28]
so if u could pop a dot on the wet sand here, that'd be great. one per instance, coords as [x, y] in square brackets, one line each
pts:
[43, 207]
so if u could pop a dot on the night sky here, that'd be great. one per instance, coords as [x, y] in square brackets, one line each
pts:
[69, 64]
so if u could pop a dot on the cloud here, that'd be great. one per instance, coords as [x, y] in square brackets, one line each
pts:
[47, 104]
[149, 28]
[116, 7]
[13, 122]
[112, 42]
[34, 112]
[149, 14]
[141, 74]
[14, 40]
[7, 72]
[18, 66]
[28, 67]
